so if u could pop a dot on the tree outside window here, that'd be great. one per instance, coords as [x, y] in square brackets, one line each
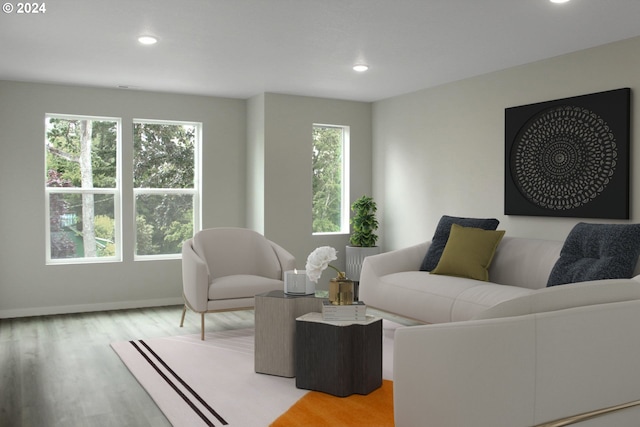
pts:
[165, 186]
[82, 187]
[330, 179]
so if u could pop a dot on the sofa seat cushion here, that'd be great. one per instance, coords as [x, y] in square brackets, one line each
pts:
[440, 299]
[478, 299]
[567, 296]
[420, 295]
[227, 287]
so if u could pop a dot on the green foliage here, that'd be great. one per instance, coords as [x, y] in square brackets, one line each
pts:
[364, 222]
[104, 227]
[105, 235]
[62, 246]
[164, 222]
[63, 151]
[163, 155]
[178, 232]
[327, 179]
[163, 159]
[144, 237]
[104, 154]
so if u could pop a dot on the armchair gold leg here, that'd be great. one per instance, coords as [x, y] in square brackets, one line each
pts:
[202, 327]
[184, 311]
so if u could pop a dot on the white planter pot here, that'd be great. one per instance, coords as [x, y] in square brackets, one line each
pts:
[355, 255]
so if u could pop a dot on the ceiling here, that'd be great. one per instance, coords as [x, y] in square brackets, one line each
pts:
[241, 48]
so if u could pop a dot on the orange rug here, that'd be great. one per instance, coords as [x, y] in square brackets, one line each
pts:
[316, 409]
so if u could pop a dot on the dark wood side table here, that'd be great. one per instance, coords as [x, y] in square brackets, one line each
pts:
[275, 329]
[339, 358]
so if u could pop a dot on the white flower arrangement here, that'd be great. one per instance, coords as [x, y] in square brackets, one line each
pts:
[319, 260]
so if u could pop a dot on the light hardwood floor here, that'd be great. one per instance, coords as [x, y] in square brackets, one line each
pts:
[61, 371]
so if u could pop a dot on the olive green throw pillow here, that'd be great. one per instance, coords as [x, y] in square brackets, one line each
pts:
[469, 252]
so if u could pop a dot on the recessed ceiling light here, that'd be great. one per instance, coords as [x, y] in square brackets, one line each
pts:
[147, 40]
[558, 1]
[360, 68]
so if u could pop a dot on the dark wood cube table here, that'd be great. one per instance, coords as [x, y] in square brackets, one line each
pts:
[338, 357]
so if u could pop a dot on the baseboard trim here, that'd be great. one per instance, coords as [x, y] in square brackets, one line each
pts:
[85, 308]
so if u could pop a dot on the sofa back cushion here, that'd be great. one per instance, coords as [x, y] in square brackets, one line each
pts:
[469, 252]
[596, 252]
[441, 236]
[524, 262]
[567, 296]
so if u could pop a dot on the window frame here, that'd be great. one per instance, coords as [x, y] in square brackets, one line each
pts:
[195, 192]
[345, 186]
[116, 191]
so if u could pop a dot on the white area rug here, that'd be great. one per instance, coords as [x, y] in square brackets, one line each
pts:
[213, 382]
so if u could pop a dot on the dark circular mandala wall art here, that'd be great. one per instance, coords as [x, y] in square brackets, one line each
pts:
[569, 157]
[563, 158]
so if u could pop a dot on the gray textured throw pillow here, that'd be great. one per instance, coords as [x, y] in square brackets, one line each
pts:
[597, 252]
[441, 236]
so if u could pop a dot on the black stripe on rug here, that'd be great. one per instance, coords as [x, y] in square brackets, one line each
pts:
[184, 384]
[173, 386]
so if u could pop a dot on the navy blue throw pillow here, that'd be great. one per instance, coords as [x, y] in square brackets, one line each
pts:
[597, 252]
[441, 236]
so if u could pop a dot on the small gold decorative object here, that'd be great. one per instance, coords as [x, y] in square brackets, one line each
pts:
[341, 290]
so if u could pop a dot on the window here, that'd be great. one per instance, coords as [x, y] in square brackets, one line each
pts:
[330, 210]
[166, 186]
[82, 187]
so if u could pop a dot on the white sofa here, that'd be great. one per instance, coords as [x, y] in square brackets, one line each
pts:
[524, 370]
[509, 352]
[392, 281]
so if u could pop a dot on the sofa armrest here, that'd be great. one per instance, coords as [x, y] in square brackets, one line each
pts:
[405, 259]
[519, 371]
[195, 278]
[287, 260]
[448, 374]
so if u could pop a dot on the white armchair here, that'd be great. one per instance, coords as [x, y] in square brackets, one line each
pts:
[224, 268]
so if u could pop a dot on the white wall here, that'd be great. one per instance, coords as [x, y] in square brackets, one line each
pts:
[441, 150]
[287, 163]
[27, 285]
[256, 174]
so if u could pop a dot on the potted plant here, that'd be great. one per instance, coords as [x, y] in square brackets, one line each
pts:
[363, 237]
